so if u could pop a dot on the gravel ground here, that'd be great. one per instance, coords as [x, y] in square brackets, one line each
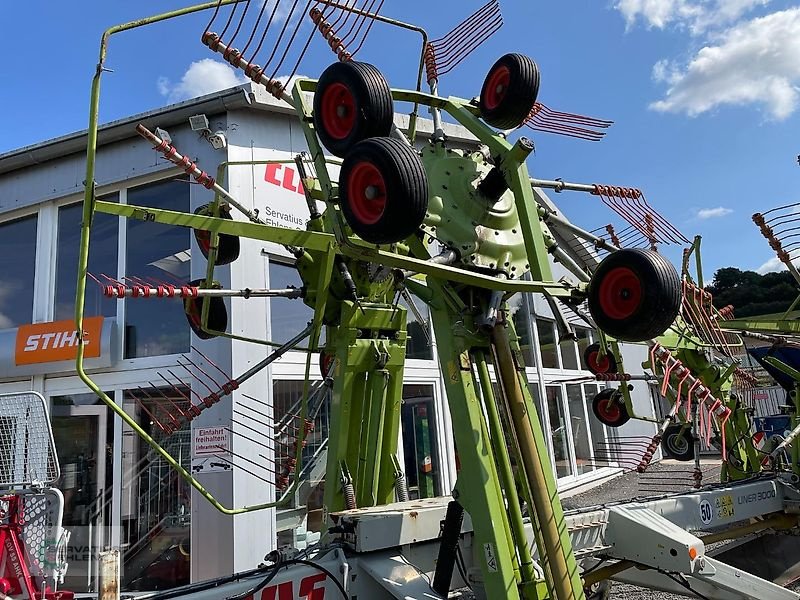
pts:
[662, 478]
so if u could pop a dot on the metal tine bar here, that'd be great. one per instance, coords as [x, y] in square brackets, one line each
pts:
[357, 22]
[247, 460]
[211, 362]
[167, 398]
[147, 410]
[262, 444]
[633, 212]
[172, 418]
[777, 208]
[656, 215]
[574, 117]
[261, 12]
[277, 442]
[249, 472]
[781, 218]
[538, 114]
[230, 19]
[566, 130]
[478, 15]
[267, 404]
[468, 43]
[177, 389]
[623, 209]
[291, 39]
[546, 123]
[266, 426]
[203, 371]
[266, 30]
[203, 383]
[241, 21]
[368, 29]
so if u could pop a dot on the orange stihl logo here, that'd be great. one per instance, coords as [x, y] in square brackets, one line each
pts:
[51, 342]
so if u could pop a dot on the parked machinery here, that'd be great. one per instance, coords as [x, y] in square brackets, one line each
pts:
[464, 232]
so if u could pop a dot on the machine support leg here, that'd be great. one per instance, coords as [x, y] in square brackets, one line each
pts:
[446, 560]
[565, 581]
[504, 469]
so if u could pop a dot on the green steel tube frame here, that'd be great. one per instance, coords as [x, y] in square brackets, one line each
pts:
[500, 542]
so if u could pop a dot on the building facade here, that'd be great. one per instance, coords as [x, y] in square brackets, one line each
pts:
[118, 493]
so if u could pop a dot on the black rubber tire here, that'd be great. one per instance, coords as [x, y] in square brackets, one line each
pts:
[217, 314]
[508, 105]
[609, 408]
[369, 103]
[599, 591]
[634, 295]
[677, 443]
[228, 245]
[402, 193]
[607, 365]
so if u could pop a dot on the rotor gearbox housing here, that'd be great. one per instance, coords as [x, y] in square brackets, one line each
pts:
[486, 232]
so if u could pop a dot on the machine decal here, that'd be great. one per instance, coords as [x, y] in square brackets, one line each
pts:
[491, 559]
[724, 506]
[706, 512]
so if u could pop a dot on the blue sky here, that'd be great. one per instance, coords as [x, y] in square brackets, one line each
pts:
[704, 93]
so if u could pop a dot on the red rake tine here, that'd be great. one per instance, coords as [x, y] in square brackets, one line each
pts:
[167, 398]
[574, 117]
[172, 418]
[274, 441]
[149, 414]
[212, 363]
[468, 44]
[203, 371]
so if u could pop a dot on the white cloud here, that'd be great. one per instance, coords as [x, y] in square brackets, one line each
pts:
[713, 213]
[754, 62]
[695, 15]
[773, 265]
[202, 77]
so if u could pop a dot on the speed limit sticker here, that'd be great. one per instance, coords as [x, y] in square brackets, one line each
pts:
[706, 512]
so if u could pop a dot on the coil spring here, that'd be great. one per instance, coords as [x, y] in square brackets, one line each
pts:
[430, 63]
[349, 492]
[400, 487]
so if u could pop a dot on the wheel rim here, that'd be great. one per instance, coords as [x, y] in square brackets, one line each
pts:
[203, 240]
[497, 87]
[677, 444]
[598, 364]
[194, 312]
[366, 193]
[620, 293]
[611, 410]
[338, 111]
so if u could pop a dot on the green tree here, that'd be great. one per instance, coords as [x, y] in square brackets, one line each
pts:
[752, 294]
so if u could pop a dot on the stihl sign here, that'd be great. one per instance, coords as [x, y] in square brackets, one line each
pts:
[285, 177]
[56, 341]
[310, 588]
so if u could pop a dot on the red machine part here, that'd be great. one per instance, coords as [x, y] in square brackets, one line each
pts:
[16, 579]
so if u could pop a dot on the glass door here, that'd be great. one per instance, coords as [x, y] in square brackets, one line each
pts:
[83, 444]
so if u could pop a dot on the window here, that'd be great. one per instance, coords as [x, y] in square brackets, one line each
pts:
[17, 265]
[547, 343]
[568, 356]
[288, 316]
[558, 431]
[420, 443]
[157, 253]
[520, 321]
[102, 261]
[584, 339]
[584, 460]
[418, 342]
[155, 507]
[286, 398]
[597, 429]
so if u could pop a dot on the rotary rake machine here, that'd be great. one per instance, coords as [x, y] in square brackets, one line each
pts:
[463, 230]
